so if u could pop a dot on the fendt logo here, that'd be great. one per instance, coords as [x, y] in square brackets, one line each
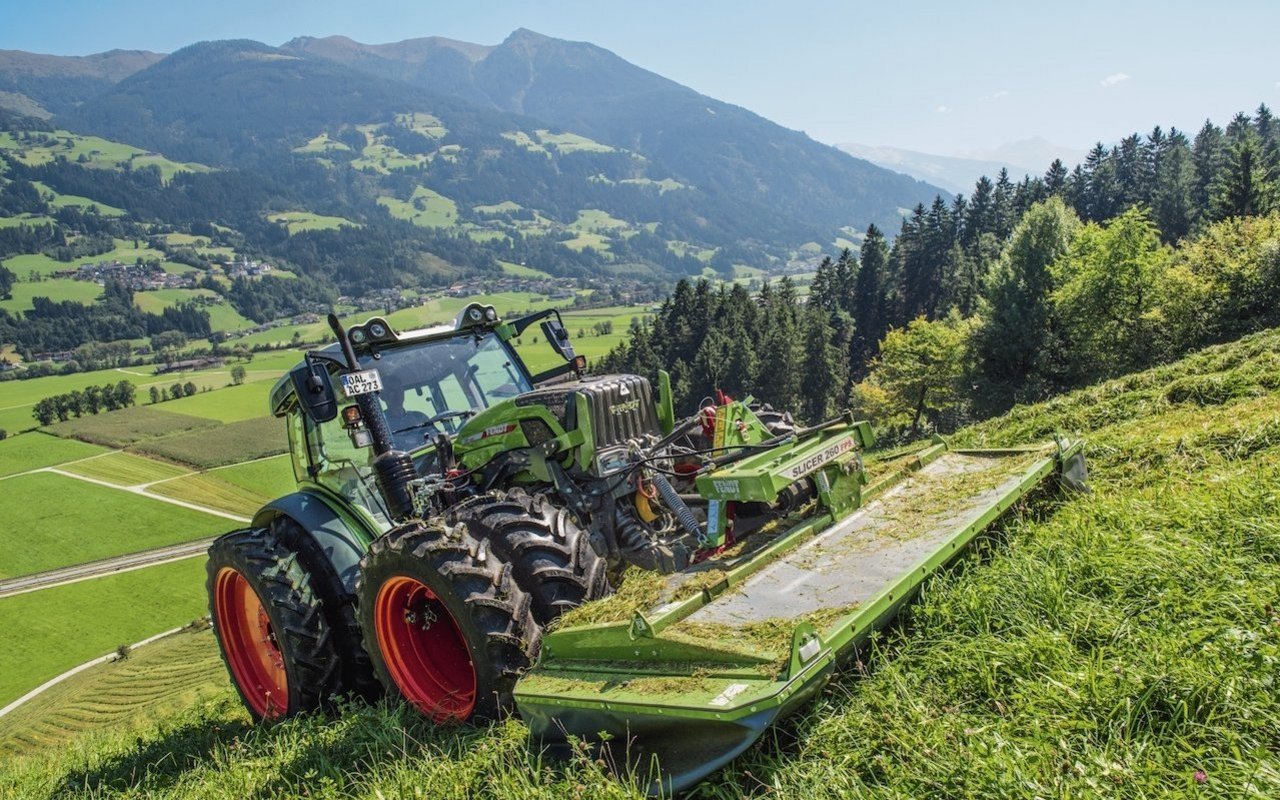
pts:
[625, 408]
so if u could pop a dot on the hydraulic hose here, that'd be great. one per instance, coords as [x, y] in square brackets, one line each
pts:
[672, 498]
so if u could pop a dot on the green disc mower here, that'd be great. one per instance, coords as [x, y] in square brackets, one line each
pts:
[477, 538]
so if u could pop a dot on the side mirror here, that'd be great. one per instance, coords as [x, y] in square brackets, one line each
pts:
[559, 338]
[315, 391]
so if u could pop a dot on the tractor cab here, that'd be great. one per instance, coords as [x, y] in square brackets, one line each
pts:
[427, 383]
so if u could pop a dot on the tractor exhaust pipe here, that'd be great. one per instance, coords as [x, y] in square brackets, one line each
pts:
[394, 468]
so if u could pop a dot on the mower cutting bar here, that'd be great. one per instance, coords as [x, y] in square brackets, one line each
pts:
[729, 658]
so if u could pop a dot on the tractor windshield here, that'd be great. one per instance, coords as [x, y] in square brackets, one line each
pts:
[421, 382]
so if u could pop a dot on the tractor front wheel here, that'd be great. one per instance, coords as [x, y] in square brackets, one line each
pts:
[551, 555]
[272, 634]
[444, 621]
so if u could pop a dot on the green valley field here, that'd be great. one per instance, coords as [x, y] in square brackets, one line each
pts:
[1122, 643]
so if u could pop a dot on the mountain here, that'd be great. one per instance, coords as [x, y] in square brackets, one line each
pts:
[725, 150]
[557, 128]
[955, 174]
[43, 85]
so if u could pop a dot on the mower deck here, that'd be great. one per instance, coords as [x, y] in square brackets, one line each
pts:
[695, 680]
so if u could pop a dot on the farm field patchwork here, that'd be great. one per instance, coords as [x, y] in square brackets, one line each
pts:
[53, 630]
[129, 426]
[232, 404]
[34, 450]
[68, 521]
[210, 490]
[124, 469]
[271, 477]
[221, 444]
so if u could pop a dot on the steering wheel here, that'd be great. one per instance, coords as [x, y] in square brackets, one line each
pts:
[465, 413]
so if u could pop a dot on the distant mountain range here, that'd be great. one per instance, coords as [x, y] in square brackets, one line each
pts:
[957, 174]
[546, 129]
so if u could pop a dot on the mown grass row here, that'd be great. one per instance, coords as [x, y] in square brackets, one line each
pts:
[1120, 644]
[157, 680]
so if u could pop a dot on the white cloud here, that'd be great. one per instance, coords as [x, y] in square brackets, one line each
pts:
[944, 109]
[993, 96]
[1112, 80]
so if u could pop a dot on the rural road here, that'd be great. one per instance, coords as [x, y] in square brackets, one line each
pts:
[107, 566]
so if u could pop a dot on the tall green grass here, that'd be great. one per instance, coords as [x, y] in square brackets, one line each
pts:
[1124, 643]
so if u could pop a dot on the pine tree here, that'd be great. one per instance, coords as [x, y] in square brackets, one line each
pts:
[781, 353]
[1173, 204]
[1055, 180]
[822, 377]
[1101, 190]
[868, 299]
[823, 290]
[1207, 152]
[846, 272]
[1242, 188]
[1002, 199]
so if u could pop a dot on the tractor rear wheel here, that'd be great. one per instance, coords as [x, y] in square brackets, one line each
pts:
[271, 631]
[339, 607]
[444, 621]
[550, 554]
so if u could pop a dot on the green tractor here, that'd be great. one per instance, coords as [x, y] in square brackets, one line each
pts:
[460, 524]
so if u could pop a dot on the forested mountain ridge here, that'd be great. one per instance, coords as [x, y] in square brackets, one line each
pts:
[42, 85]
[721, 148]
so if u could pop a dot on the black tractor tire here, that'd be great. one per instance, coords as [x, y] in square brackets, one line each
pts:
[549, 552]
[271, 630]
[445, 623]
[339, 607]
[779, 423]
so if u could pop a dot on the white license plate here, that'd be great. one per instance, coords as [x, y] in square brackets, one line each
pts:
[358, 383]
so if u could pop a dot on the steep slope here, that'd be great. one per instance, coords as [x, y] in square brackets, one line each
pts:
[725, 150]
[1123, 643]
[41, 85]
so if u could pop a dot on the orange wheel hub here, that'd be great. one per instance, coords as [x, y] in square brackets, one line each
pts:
[250, 644]
[424, 650]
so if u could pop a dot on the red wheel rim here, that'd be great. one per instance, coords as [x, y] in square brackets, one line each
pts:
[424, 650]
[250, 644]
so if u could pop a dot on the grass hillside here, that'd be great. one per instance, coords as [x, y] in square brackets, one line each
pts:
[1124, 643]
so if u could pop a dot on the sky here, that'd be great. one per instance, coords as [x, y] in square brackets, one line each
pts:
[953, 78]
